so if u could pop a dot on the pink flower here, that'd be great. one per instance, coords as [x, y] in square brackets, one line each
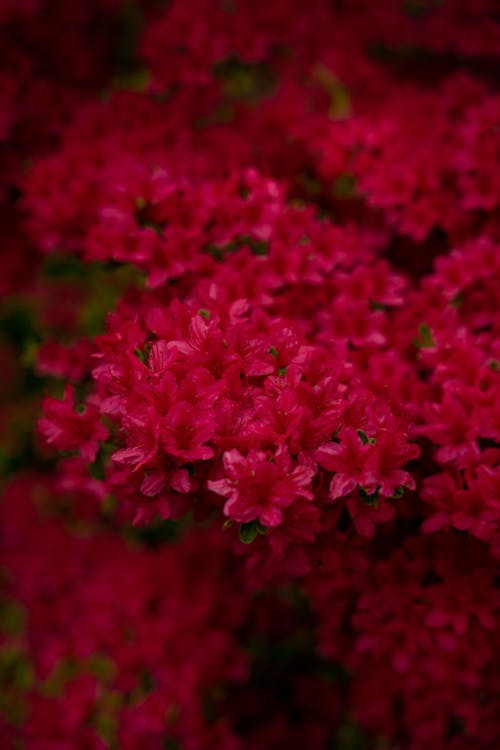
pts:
[260, 486]
[391, 454]
[143, 437]
[184, 432]
[350, 461]
[69, 430]
[470, 505]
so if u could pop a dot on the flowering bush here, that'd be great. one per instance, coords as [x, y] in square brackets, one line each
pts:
[250, 407]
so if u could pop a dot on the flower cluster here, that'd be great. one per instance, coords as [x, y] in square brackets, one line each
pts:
[252, 262]
[220, 395]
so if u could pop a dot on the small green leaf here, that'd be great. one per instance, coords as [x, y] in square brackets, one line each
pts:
[143, 354]
[369, 499]
[494, 365]
[340, 102]
[273, 352]
[16, 671]
[398, 492]
[457, 300]
[248, 532]
[258, 247]
[13, 617]
[140, 355]
[344, 186]
[204, 313]
[365, 439]
[425, 339]
[374, 305]
[96, 470]
[109, 505]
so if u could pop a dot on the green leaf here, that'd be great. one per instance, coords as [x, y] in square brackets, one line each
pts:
[133, 80]
[143, 354]
[374, 305]
[425, 339]
[365, 439]
[243, 80]
[96, 470]
[457, 300]
[248, 531]
[340, 102]
[109, 505]
[344, 186]
[371, 500]
[13, 618]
